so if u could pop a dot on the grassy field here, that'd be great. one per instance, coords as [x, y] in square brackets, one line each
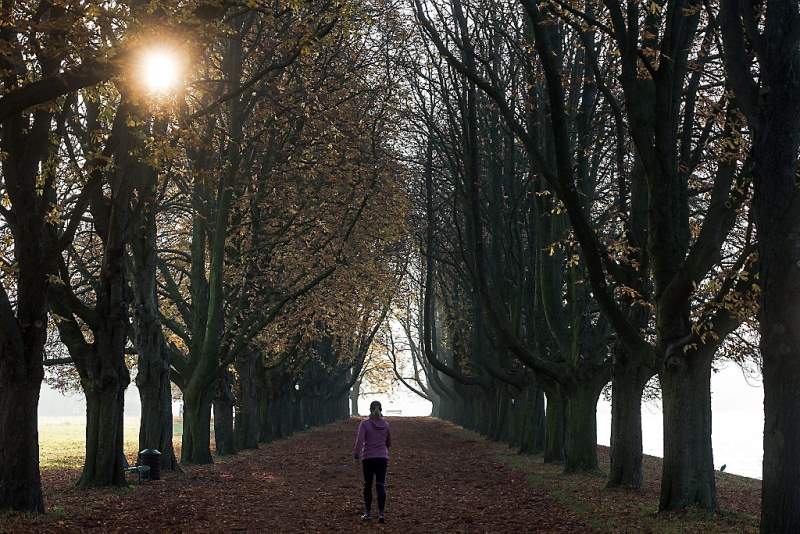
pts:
[62, 440]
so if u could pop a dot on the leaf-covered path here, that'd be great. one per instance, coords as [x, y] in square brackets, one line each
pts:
[441, 479]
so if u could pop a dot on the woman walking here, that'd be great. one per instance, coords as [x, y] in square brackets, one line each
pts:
[372, 447]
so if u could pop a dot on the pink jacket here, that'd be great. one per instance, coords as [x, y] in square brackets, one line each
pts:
[373, 440]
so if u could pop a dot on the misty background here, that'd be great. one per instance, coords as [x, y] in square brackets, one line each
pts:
[737, 406]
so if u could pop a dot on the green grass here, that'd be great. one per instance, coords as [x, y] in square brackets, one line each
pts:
[62, 440]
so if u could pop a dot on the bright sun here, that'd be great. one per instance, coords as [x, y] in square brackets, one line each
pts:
[160, 70]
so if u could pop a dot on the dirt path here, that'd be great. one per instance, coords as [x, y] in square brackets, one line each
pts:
[440, 480]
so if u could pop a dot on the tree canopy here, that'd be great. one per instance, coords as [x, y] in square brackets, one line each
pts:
[507, 207]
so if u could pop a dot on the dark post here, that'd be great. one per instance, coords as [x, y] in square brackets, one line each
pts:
[151, 458]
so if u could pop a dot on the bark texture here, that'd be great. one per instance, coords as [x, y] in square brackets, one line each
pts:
[627, 387]
[20, 483]
[248, 423]
[688, 467]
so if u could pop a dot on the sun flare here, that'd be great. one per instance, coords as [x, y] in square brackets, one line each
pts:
[160, 70]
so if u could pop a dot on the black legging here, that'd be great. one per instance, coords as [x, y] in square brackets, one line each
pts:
[376, 467]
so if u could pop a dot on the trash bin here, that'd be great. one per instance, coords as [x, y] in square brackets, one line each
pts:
[152, 459]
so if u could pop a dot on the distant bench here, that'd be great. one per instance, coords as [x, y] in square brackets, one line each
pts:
[394, 412]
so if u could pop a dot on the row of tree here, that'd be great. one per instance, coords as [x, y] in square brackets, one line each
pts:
[239, 238]
[606, 192]
[600, 191]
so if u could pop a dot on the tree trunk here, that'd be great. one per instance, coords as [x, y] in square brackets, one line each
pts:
[775, 150]
[688, 469]
[780, 350]
[516, 421]
[21, 374]
[28, 196]
[153, 382]
[499, 415]
[155, 427]
[344, 408]
[555, 420]
[223, 418]
[104, 463]
[532, 431]
[195, 445]
[580, 446]
[296, 403]
[247, 427]
[274, 415]
[223, 427]
[309, 412]
[101, 365]
[780, 347]
[313, 413]
[435, 402]
[281, 418]
[20, 483]
[153, 366]
[265, 433]
[354, 393]
[627, 386]
[286, 416]
[104, 378]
